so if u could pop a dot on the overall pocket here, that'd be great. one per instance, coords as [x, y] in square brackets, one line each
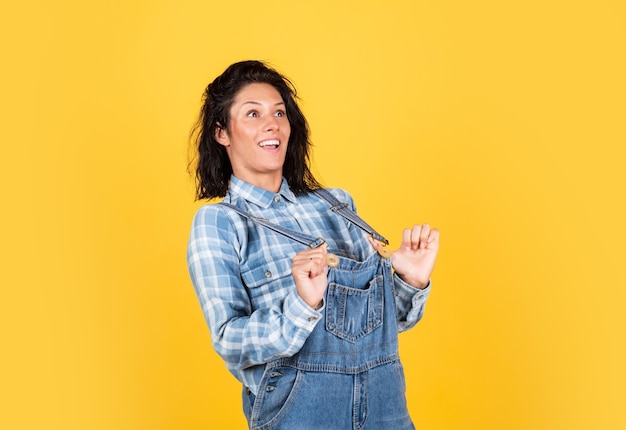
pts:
[276, 395]
[352, 313]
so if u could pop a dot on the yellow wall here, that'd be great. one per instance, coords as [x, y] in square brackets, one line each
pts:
[500, 122]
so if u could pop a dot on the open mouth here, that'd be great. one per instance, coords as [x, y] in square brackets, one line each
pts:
[272, 143]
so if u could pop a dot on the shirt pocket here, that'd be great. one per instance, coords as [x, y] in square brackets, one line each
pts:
[262, 272]
[352, 313]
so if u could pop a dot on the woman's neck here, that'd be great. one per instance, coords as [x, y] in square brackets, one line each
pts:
[267, 182]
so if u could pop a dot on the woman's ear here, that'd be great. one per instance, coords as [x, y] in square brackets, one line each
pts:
[221, 135]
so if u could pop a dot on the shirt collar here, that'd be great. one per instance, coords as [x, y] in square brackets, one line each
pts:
[240, 189]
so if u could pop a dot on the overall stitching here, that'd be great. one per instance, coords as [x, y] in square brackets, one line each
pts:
[356, 335]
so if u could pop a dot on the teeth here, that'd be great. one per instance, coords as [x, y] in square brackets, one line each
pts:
[269, 143]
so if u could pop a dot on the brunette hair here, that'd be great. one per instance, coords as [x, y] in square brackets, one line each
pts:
[212, 166]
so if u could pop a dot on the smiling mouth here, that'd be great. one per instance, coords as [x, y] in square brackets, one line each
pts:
[272, 143]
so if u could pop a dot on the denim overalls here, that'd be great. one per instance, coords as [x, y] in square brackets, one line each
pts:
[348, 374]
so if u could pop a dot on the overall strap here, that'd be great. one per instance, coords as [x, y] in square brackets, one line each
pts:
[344, 210]
[300, 237]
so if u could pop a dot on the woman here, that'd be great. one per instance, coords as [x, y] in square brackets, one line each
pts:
[314, 346]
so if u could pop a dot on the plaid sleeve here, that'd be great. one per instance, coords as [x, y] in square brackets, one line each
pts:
[241, 336]
[410, 303]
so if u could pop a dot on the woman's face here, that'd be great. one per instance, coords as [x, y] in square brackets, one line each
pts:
[256, 139]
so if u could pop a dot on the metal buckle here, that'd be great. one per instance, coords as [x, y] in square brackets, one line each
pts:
[338, 207]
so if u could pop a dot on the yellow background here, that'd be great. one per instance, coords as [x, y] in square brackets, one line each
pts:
[502, 123]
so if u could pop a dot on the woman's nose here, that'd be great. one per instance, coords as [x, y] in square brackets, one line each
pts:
[272, 123]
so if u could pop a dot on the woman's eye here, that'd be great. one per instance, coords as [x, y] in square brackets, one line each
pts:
[280, 113]
[253, 114]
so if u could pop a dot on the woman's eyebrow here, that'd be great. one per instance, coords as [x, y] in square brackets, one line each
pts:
[254, 102]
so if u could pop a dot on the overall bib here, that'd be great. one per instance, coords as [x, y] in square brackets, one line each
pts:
[348, 373]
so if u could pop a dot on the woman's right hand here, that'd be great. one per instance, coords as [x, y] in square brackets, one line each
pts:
[308, 269]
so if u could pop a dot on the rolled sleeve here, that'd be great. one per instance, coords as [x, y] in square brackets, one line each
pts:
[300, 314]
[410, 303]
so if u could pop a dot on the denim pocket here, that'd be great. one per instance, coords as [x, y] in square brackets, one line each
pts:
[352, 313]
[275, 397]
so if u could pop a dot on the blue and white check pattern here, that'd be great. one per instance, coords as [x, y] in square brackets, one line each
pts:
[241, 272]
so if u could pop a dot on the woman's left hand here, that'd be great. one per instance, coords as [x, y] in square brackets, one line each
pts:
[415, 259]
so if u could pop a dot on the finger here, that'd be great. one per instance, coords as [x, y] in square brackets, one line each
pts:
[424, 233]
[433, 238]
[313, 264]
[313, 268]
[406, 238]
[308, 268]
[308, 263]
[307, 254]
[319, 258]
[322, 262]
[375, 244]
[415, 236]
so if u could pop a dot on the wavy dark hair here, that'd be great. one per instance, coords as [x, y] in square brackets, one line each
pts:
[212, 166]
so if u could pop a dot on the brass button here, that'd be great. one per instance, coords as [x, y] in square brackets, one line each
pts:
[268, 273]
[384, 252]
[332, 260]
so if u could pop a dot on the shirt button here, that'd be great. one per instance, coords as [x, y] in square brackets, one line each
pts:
[276, 199]
[313, 318]
[268, 274]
